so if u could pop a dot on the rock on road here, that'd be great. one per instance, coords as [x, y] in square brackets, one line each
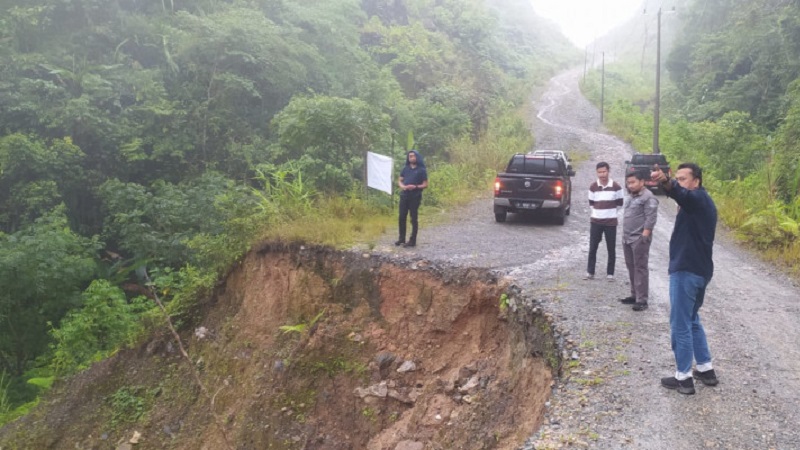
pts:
[609, 397]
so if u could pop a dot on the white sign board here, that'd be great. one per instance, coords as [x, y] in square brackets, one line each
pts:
[379, 172]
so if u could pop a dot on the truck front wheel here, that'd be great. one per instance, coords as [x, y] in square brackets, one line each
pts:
[500, 216]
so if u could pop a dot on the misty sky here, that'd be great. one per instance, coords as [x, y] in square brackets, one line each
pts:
[584, 20]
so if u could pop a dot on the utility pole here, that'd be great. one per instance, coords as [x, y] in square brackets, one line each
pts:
[656, 111]
[603, 88]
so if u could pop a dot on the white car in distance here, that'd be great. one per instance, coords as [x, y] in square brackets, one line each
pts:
[554, 153]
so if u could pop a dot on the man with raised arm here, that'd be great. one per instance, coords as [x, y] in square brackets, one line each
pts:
[690, 269]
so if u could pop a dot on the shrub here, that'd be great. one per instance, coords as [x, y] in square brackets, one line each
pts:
[105, 322]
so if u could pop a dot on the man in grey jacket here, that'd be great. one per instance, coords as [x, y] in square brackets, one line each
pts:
[641, 212]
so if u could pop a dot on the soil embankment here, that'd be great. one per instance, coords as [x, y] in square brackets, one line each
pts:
[309, 348]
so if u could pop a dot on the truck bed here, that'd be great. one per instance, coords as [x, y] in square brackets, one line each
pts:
[533, 182]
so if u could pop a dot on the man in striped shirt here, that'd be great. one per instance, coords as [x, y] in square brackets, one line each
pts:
[605, 198]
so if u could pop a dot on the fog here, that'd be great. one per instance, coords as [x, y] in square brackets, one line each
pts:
[582, 21]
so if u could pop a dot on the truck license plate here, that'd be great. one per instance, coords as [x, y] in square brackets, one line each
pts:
[528, 205]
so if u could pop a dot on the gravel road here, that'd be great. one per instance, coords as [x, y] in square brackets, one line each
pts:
[609, 395]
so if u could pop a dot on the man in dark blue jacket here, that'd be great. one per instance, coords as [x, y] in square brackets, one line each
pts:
[690, 270]
[413, 179]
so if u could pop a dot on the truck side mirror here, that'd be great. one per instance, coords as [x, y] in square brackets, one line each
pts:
[571, 173]
[627, 161]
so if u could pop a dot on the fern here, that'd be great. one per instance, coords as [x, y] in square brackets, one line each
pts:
[301, 327]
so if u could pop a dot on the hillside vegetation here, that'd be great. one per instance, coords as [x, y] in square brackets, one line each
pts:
[730, 102]
[145, 145]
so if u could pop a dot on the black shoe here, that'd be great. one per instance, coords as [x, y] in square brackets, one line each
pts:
[410, 244]
[628, 300]
[639, 307]
[709, 378]
[683, 386]
[400, 242]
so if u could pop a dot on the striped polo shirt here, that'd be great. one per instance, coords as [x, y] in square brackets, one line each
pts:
[604, 201]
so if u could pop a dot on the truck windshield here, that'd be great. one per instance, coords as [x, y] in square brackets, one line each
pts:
[649, 159]
[534, 165]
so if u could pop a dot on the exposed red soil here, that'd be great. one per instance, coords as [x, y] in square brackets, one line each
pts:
[334, 385]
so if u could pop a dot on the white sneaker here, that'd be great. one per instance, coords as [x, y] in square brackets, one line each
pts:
[610, 277]
[588, 276]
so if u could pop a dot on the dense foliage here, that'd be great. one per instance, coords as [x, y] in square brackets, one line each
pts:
[162, 137]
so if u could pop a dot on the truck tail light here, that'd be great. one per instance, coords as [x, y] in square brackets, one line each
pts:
[558, 189]
[497, 186]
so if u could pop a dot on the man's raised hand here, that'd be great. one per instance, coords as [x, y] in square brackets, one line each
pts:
[657, 174]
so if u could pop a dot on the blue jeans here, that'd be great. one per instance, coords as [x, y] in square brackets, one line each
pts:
[686, 293]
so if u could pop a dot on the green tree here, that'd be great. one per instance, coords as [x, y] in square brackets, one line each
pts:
[333, 29]
[35, 177]
[157, 222]
[43, 269]
[330, 136]
[787, 150]
[733, 145]
[733, 57]
[104, 322]
[236, 69]
[439, 118]
[419, 58]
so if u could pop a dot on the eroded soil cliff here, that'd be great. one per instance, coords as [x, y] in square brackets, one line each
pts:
[309, 348]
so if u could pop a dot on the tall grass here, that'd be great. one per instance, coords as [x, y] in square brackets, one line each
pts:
[292, 209]
[335, 221]
[8, 410]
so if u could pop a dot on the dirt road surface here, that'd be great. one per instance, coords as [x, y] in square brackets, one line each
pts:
[609, 395]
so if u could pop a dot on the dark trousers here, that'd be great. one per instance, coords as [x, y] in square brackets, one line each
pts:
[409, 203]
[596, 233]
[637, 255]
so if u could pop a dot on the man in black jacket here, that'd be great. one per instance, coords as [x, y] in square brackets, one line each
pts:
[413, 179]
[690, 269]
